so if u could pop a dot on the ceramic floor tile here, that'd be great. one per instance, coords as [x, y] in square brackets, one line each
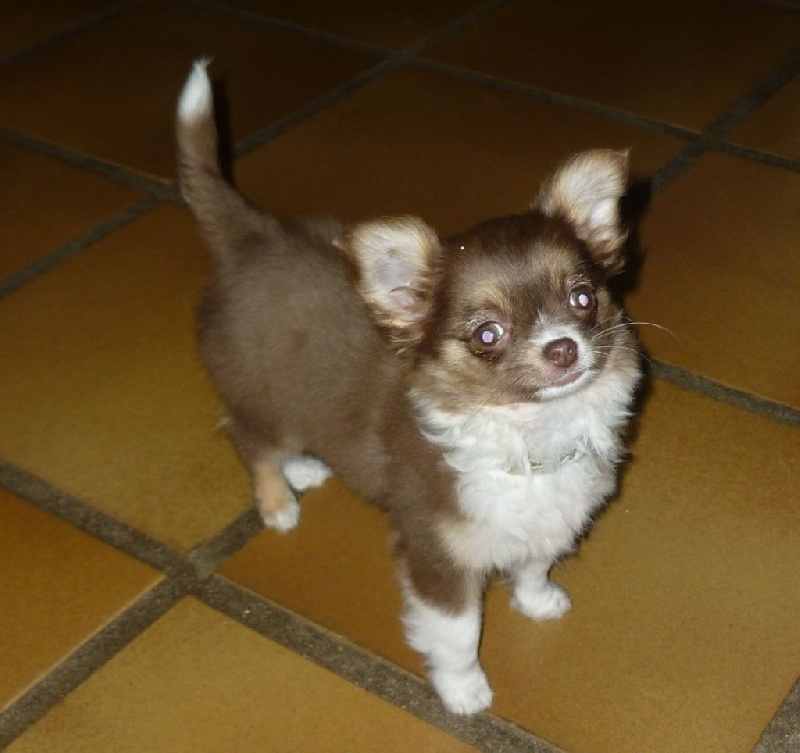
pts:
[101, 390]
[59, 587]
[392, 25]
[111, 90]
[25, 23]
[198, 681]
[773, 126]
[674, 60]
[721, 271]
[686, 601]
[47, 203]
[420, 143]
[340, 534]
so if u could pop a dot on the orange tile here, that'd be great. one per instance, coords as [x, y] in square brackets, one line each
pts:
[47, 203]
[102, 392]
[59, 587]
[675, 60]
[420, 143]
[197, 680]
[720, 271]
[687, 604]
[111, 90]
[773, 126]
[25, 22]
[387, 24]
[686, 599]
[340, 534]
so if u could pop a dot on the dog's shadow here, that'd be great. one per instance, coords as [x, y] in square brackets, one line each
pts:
[222, 119]
[633, 210]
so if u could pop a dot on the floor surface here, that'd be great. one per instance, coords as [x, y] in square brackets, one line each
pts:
[143, 607]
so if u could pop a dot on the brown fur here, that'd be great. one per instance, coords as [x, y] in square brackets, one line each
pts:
[313, 334]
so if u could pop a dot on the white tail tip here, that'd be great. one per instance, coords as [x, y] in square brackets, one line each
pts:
[196, 99]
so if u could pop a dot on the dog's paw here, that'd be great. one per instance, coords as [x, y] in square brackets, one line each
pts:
[283, 519]
[305, 472]
[543, 604]
[463, 691]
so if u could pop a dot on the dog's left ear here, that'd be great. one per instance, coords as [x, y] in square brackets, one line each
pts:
[395, 261]
[586, 192]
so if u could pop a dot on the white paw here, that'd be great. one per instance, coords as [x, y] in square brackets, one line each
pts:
[283, 519]
[305, 472]
[543, 604]
[463, 691]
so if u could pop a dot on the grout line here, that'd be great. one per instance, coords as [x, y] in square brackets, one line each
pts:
[755, 97]
[733, 396]
[207, 557]
[713, 135]
[92, 521]
[192, 575]
[758, 155]
[81, 664]
[76, 28]
[557, 98]
[669, 172]
[66, 251]
[186, 572]
[782, 4]
[461, 23]
[392, 60]
[369, 672]
[783, 732]
[315, 107]
[275, 23]
[160, 189]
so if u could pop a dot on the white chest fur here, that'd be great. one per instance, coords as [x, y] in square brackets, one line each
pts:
[531, 475]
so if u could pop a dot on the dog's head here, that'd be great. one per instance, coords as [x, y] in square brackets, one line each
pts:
[513, 310]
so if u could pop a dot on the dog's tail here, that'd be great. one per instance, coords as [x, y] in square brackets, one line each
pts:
[223, 216]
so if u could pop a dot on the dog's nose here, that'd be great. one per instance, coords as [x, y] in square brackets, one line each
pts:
[563, 352]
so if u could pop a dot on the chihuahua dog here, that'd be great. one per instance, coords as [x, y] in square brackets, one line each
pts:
[475, 388]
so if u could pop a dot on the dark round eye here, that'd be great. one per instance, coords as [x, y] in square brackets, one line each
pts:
[582, 297]
[488, 335]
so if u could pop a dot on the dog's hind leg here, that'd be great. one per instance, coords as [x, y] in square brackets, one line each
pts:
[274, 499]
[304, 472]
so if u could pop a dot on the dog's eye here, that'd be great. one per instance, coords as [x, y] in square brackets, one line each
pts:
[488, 335]
[582, 297]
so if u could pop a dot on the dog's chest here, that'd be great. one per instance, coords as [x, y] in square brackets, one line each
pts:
[528, 478]
[508, 518]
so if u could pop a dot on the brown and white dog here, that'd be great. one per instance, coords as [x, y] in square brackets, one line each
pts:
[475, 388]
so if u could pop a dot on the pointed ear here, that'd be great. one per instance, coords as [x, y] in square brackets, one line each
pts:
[586, 192]
[395, 260]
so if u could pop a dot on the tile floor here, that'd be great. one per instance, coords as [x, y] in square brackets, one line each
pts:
[142, 608]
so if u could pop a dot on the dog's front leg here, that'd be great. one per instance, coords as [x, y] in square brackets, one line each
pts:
[448, 638]
[535, 595]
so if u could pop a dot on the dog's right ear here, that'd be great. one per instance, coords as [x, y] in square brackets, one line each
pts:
[395, 261]
[586, 192]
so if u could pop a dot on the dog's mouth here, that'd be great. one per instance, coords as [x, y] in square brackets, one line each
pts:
[568, 378]
[560, 385]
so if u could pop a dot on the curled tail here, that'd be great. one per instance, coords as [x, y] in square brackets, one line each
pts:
[223, 216]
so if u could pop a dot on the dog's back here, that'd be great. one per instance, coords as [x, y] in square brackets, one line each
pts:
[289, 344]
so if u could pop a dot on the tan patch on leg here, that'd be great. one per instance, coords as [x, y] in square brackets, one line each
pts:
[274, 498]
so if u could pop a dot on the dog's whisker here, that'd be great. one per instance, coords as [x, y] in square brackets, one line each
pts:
[638, 352]
[607, 319]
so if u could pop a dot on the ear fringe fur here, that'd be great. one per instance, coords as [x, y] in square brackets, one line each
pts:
[586, 192]
[395, 260]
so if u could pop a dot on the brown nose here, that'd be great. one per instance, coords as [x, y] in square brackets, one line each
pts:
[563, 352]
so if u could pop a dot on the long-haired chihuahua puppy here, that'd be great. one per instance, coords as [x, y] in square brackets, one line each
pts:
[474, 387]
